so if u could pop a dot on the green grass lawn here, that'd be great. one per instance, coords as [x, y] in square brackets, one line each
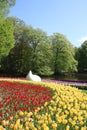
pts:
[85, 91]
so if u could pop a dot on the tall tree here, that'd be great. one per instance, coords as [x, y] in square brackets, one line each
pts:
[6, 37]
[18, 60]
[6, 28]
[44, 56]
[63, 50]
[36, 37]
[82, 58]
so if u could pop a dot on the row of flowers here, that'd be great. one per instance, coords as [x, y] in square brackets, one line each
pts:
[73, 83]
[65, 108]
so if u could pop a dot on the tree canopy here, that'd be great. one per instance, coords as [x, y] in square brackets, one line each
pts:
[63, 54]
[6, 28]
[5, 6]
[34, 49]
[82, 58]
[6, 37]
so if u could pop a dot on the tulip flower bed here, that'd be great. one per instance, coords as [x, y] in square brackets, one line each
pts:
[16, 96]
[52, 106]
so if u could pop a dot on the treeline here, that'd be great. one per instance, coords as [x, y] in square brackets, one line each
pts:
[23, 47]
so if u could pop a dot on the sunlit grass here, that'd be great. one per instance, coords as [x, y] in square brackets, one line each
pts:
[85, 91]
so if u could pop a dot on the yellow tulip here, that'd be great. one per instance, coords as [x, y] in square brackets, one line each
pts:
[21, 113]
[11, 126]
[67, 127]
[54, 125]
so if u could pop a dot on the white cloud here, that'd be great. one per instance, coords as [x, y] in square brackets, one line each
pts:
[82, 39]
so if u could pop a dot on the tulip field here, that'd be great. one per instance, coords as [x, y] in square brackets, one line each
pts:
[29, 105]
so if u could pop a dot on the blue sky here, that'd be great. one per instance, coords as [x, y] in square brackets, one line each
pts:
[68, 17]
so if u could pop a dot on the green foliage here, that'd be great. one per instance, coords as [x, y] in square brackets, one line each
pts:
[82, 58]
[44, 58]
[36, 36]
[16, 22]
[42, 51]
[6, 37]
[80, 87]
[34, 50]
[64, 60]
[5, 6]
[17, 63]
[6, 28]
[19, 59]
